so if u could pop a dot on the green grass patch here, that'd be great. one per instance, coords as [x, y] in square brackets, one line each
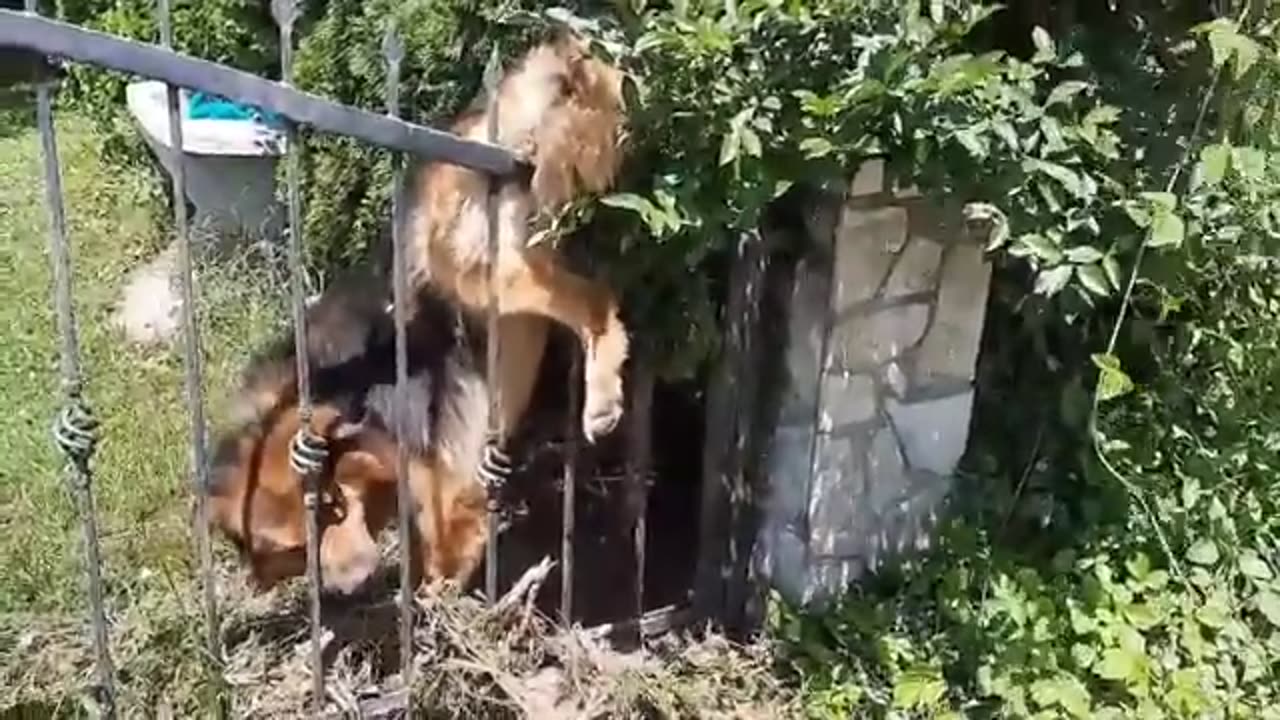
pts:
[116, 220]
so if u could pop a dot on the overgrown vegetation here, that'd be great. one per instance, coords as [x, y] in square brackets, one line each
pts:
[1113, 552]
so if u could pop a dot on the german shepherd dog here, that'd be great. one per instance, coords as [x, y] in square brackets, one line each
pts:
[255, 498]
[563, 110]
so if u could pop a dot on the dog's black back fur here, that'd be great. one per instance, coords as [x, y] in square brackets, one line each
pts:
[352, 356]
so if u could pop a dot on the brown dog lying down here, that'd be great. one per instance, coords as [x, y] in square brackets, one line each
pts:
[256, 500]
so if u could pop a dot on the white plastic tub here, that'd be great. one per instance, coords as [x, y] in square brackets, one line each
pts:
[229, 164]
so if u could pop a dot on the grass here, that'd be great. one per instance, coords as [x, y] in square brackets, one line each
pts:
[116, 219]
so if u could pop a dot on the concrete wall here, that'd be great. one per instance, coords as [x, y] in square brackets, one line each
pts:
[884, 320]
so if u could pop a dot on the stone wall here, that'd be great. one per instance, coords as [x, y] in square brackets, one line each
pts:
[884, 320]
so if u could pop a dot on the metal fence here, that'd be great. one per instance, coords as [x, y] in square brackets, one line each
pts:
[722, 564]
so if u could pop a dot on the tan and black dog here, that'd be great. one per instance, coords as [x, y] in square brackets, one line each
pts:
[255, 498]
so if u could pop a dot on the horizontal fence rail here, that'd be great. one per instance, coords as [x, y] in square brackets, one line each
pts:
[59, 39]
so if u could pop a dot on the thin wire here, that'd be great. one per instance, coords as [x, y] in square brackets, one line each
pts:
[191, 357]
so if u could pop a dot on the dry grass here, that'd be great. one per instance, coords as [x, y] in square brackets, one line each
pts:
[472, 661]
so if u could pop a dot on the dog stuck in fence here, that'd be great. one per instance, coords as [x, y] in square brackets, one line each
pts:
[256, 499]
[562, 110]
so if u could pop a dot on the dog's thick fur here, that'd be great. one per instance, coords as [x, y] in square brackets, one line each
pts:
[563, 110]
[257, 500]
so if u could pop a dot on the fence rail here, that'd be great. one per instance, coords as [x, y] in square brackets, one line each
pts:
[51, 37]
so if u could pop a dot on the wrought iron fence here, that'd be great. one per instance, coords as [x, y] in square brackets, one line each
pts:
[721, 571]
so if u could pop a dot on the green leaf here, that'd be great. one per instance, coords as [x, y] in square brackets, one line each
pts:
[1160, 201]
[1250, 162]
[1093, 279]
[1050, 282]
[816, 147]
[730, 145]
[1268, 603]
[1203, 552]
[1112, 268]
[1167, 230]
[1007, 134]
[1064, 691]
[1113, 381]
[1065, 91]
[1213, 162]
[1118, 664]
[1045, 50]
[1102, 115]
[918, 688]
[1084, 254]
[751, 142]
[972, 141]
[1254, 566]
[630, 201]
[1246, 54]
[1064, 175]
[1038, 246]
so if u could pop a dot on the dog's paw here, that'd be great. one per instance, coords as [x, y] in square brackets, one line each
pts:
[601, 414]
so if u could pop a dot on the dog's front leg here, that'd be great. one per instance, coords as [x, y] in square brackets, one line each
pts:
[534, 281]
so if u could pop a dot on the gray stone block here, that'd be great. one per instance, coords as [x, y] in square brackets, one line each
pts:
[868, 340]
[836, 494]
[933, 432]
[789, 472]
[866, 243]
[829, 580]
[916, 270]
[886, 473]
[950, 351]
[782, 558]
[847, 399]
[869, 180]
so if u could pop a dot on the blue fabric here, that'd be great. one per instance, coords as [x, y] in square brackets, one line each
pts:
[205, 106]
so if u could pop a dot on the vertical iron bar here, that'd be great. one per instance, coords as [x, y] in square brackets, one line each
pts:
[393, 51]
[639, 465]
[497, 433]
[192, 360]
[285, 13]
[75, 428]
[569, 491]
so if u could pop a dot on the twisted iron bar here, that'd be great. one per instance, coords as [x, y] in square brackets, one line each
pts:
[309, 452]
[75, 427]
[569, 489]
[393, 52]
[493, 460]
[191, 358]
